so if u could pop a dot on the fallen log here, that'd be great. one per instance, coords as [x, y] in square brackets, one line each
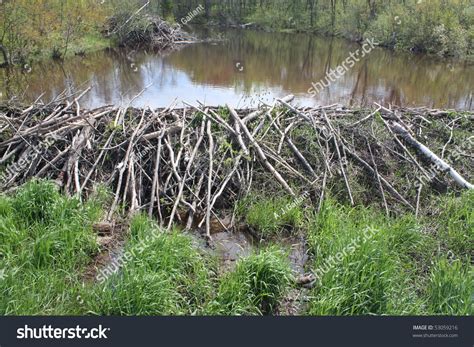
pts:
[428, 154]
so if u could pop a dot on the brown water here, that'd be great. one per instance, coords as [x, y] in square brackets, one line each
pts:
[245, 68]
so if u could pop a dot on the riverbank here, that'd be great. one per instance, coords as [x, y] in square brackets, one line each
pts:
[243, 68]
[461, 58]
[365, 263]
[390, 46]
[437, 27]
[78, 30]
[82, 46]
[442, 28]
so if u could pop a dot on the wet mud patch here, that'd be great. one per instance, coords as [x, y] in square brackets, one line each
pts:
[231, 246]
[233, 242]
[298, 253]
[111, 239]
[294, 303]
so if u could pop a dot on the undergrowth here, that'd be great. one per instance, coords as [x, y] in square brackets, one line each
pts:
[45, 241]
[163, 274]
[365, 262]
[256, 286]
[270, 217]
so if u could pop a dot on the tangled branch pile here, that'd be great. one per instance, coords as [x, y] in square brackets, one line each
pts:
[149, 31]
[190, 164]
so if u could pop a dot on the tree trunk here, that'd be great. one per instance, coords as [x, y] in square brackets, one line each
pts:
[6, 57]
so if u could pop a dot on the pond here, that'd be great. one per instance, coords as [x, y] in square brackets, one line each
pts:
[245, 67]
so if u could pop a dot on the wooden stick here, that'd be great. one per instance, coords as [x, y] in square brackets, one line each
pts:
[183, 179]
[260, 153]
[339, 157]
[209, 181]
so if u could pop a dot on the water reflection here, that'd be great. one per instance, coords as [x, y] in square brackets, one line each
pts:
[246, 67]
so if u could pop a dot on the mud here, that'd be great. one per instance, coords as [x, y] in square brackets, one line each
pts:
[111, 239]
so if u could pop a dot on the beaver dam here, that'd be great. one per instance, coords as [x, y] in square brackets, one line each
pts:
[179, 164]
[311, 177]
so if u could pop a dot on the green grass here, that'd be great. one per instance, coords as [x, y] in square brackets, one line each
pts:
[255, 287]
[87, 43]
[169, 276]
[399, 269]
[90, 43]
[271, 217]
[364, 277]
[451, 288]
[456, 224]
[163, 274]
[45, 241]
[366, 263]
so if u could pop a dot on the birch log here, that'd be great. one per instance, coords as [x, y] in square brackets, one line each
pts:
[426, 152]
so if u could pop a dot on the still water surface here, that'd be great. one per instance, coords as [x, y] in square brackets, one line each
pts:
[245, 67]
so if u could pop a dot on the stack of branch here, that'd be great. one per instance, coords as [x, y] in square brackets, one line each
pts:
[149, 31]
[165, 35]
[187, 165]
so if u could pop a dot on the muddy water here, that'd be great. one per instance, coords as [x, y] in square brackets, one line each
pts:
[230, 246]
[246, 67]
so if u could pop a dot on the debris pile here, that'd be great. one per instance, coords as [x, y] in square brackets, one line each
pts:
[187, 165]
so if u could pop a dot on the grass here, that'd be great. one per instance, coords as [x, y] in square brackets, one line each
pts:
[256, 286]
[90, 43]
[365, 278]
[87, 43]
[400, 269]
[450, 289]
[271, 217]
[366, 263]
[45, 241]
[163, 274]
[169, 276]
[456, 224]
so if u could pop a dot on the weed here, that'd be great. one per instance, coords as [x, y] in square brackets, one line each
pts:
[45, 241]
[365, 262]
[271, 216]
